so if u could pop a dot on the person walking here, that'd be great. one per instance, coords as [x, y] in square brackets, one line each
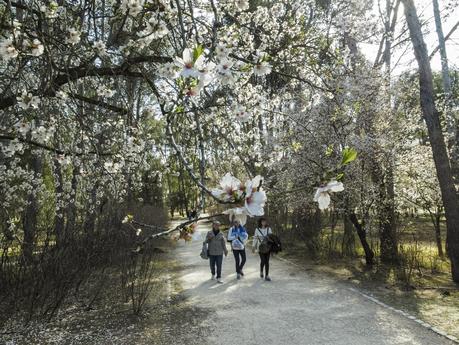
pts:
[237, 235]
[216, 246]
[260, 245]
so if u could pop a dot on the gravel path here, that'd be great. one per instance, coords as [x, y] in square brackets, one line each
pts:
[294, 308]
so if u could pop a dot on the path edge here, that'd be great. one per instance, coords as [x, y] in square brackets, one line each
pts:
[406, 315]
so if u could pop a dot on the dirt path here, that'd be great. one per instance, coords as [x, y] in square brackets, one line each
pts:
[294, 308]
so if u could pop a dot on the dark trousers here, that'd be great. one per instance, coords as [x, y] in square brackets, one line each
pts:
[216, 260]
[240, 258]
[264, 263]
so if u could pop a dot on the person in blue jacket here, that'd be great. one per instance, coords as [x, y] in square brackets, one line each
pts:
[238, 236]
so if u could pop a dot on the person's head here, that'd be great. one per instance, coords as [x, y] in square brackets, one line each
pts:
[262, 223]
[236, 223]
[216, 225]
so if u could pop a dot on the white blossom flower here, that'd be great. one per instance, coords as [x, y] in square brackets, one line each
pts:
[100, 48]
[22, 127]
[148, 112]
[242, 115]
[13, 147]
[255, 198]
[50, 11]
[27, 100]
[262, 68]
[133, 6]
[138, 232]
[113, 167]
[103, 91]
[36, 47]
[168, 70]
[74, 36]
[42, 134]
[16, 24]
[222, 51]
[193, 90]
[231, 188]
[189, 67]
[62, 95]
[206, 74]
[255, 203]
[64, 160]
[156, 28]
[7, 49]
[242, 5]
[322, 195]
[224, 72]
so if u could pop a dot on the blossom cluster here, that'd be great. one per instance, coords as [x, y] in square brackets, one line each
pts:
[250, 196]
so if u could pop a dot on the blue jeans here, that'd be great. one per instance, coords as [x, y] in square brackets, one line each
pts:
[216, 260]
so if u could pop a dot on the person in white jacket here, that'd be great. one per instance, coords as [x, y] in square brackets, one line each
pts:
[260, 234]
[237, 235]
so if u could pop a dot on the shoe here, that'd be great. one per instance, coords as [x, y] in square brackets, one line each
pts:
[261, 275]
[238, 276]
[268, 279]
[219, 280]
[213, 277]
[241, 273]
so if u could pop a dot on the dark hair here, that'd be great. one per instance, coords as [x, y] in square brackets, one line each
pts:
[260, 220]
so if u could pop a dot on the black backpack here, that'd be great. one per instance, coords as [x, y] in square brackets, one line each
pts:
[275, 243]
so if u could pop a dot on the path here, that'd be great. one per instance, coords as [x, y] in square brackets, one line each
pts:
[294, 308]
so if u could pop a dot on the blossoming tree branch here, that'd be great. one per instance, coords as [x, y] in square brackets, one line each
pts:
[100, 92]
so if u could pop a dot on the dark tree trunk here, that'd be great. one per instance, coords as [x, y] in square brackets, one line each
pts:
[91, 215]
[312, 224]
[71, 208]
[386, 214]
[348, 244]
[438, 235]
[388, 221]
[437, 142]
[59, 221]
[31, 213]
[369, 255]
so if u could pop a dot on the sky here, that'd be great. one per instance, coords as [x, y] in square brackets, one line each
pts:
[405, 56]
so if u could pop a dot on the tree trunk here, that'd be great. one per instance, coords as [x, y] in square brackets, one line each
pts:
[348, 244]
[388, 225]
[312, 227]
[31, 213]
[71, 210]
[91, 214]
[59, 221]
[437, 142]
[369, 255]
[385, 213]
[388, 222]
[450, 121]
[438, 234]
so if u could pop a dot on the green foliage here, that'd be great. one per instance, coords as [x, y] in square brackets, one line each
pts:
[197, 52]
[349, 155]
[329, 150]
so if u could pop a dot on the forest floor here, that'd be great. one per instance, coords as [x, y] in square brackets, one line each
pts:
[110, 322]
